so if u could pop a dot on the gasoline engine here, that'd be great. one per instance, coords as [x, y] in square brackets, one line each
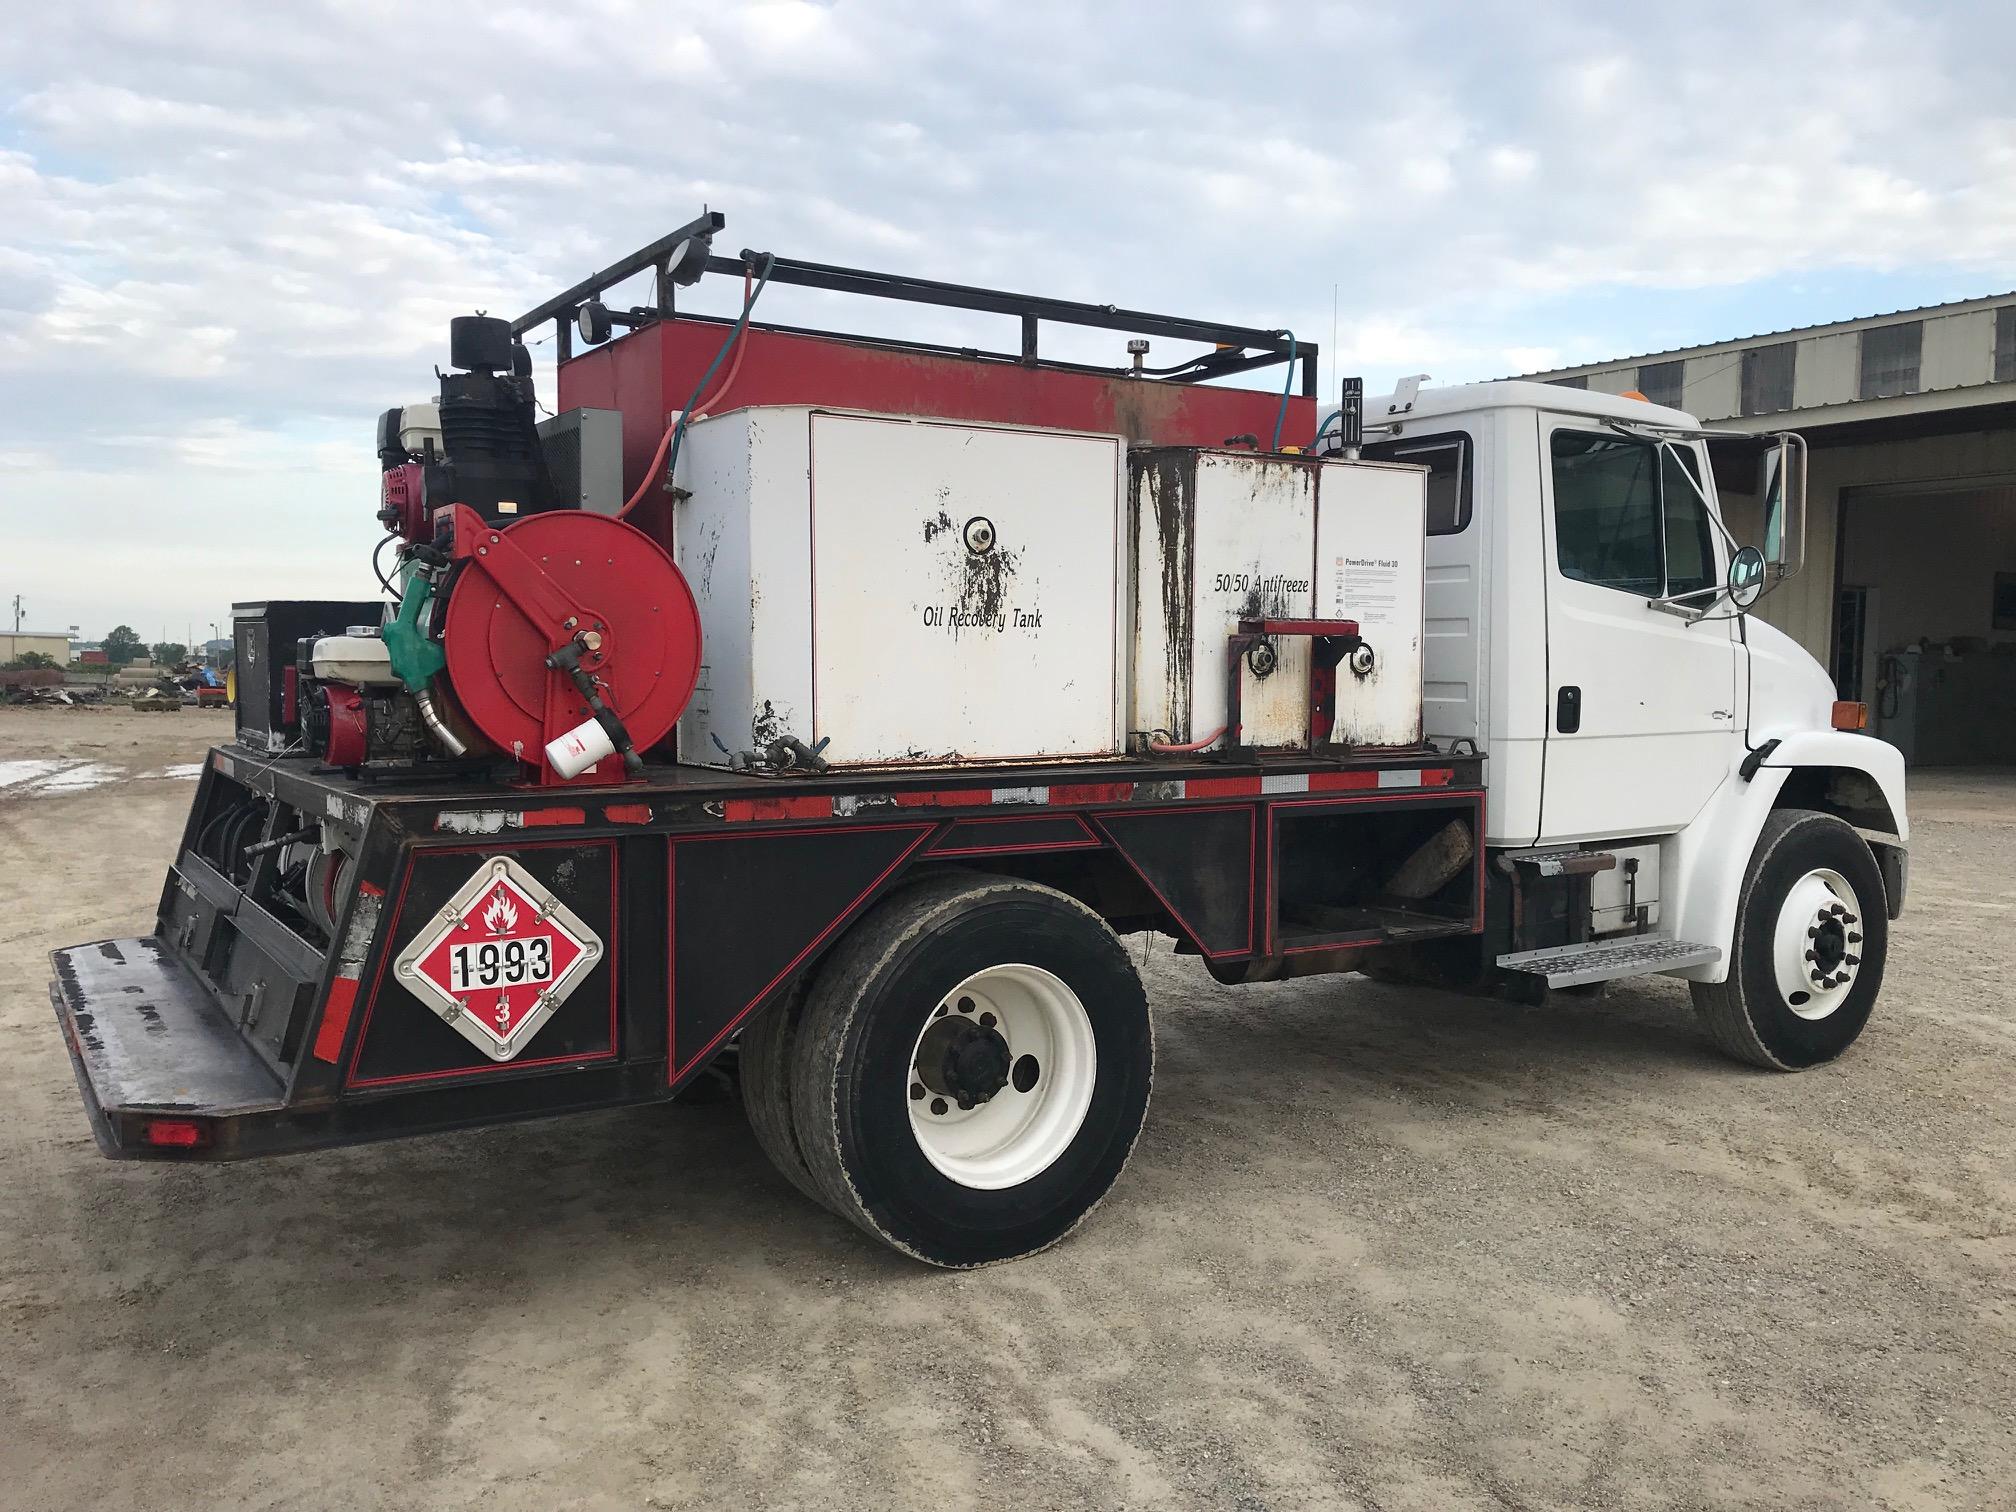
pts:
[522, 628]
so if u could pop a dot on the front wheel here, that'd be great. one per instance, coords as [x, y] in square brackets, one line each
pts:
[971, 1070]
[1811, 931]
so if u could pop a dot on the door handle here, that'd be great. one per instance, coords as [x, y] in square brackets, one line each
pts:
[1568, 710]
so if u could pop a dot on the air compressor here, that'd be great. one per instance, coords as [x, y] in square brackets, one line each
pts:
[520, 629]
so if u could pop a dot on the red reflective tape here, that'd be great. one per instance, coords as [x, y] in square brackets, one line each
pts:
[1440, 777]
[1331, 782]
[1091, 792]
[1221, 787]
[627, 813]
[533, 818]
[371, 889]
[336, 1018]
[951, 798]
[738, 809]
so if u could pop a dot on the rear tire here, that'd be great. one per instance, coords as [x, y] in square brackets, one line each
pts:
[1812, 930]
[764, 1059]
[972, 1069]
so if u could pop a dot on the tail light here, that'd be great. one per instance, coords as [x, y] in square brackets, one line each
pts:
[175, 1133]
[1849, 715]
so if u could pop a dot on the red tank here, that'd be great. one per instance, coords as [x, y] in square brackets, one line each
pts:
[651, 372]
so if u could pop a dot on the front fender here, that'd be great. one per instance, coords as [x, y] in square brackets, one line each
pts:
[1840, 750]
[1710, 858]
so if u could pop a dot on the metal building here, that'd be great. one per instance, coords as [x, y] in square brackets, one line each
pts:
[1909, 592]
[53, 644]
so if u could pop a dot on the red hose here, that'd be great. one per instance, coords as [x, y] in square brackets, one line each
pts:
[665, 441]
[1166, 748]
[651, 472]
[713, 400]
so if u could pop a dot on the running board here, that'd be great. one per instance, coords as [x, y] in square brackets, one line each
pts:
[1607, 960]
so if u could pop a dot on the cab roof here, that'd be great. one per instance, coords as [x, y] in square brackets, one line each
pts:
[1514, 393]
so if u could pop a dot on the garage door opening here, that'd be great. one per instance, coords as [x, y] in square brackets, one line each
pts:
[1925, 619]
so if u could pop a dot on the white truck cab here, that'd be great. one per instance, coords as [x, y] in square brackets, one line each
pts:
[1587, 626]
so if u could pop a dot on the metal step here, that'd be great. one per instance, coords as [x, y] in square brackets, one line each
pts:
[1564, 863]
[1607, 960]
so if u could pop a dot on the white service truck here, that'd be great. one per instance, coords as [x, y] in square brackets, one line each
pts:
[909, 679]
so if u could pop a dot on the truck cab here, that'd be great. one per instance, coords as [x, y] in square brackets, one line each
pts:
[1582, 627]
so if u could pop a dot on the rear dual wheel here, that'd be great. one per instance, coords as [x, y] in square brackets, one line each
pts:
[965, 1076]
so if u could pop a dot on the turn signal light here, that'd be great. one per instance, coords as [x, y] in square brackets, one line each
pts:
[1849, 715]
[175, 1133]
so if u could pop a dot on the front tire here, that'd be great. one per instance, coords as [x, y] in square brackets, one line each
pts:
[1812, 930]
[972, 1069]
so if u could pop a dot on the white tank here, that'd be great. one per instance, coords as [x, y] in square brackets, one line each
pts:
[887, 589]
[357, 657]
[1223, 536]
[883, 589]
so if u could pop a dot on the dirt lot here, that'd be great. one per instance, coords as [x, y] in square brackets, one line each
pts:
[1378, 1249]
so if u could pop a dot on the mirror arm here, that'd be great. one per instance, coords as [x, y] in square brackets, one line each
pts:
[1677, 603]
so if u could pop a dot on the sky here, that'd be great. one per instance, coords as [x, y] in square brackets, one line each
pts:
[231, 234]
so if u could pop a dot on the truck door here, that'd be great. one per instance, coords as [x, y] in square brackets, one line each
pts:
[1641, 724]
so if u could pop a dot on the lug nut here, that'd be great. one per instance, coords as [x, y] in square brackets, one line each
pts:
[937, 1105]
[986, 1021]
[965, 1005]
[1854, 939]
[965, 1104]
[916, 1091]
[1853, 960]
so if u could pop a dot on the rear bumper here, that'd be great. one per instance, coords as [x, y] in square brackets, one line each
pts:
[149, 1044]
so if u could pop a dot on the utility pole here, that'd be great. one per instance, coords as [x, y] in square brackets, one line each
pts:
[17, 614]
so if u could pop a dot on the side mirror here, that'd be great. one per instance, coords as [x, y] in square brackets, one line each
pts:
[1782, 488]
[1746, 577]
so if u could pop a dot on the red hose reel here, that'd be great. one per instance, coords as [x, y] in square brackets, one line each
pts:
[555, 587]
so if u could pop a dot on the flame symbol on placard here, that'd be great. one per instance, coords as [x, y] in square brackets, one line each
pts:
[501, 917]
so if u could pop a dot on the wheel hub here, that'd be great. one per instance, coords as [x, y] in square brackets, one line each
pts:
[1830, 957]
[1002, 1075]
[1818, 943]
[963, 1060]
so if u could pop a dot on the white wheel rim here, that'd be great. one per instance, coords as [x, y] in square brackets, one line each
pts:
[1816, 945]
[1019, 1131]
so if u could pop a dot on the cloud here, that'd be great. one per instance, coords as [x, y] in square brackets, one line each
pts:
[227, 240]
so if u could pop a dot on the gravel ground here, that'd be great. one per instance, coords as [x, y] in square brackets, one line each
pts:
[1378, 1249]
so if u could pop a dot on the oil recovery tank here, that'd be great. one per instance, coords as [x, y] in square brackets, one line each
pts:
[1220, 536]
[903, 590]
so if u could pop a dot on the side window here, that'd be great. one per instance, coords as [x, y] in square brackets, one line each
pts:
[1447, 459]
[1630, 514]
[1690, 550]
[1606, 511]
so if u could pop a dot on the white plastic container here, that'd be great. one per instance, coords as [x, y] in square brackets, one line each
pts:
[579, 749]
